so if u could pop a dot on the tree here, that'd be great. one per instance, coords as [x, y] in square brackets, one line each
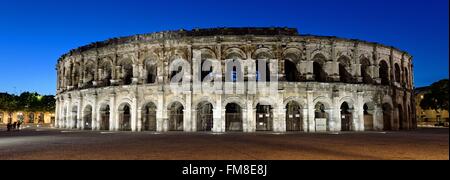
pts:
[8, 103]
[437, 97]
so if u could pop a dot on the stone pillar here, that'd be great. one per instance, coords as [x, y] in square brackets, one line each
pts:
[334, 71]
[357, 72]
[194, 120]
[378, 118]
[135, 78]
[139, 120]
[246, 116]
[56, 114]
[80, 124]
[134, 119]
[311, 111]
[219, 116]
[161, 115]
[358, 116]
[281, 120]
[112, 112]
[305, 119]
[333, 121]
[187, 117]
[95, 119]
[309, 73]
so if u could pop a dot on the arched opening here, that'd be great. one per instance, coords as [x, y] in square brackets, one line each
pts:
[346, 117]
[344, 74]
[104, 117]
[384, 73]
[105, 72]
[401, 119]
[89, 71]
[127, 73]
[387, 117]
[125, 118]
[365, 65]
[174, 73]
[151, 73]
[294, 118]
[176, 117]
[368, 117]
[291, 72]
[233, 117]
[321, 117]
[76, 75]
[318, 68]
[75, 117]
[41, 118]
[31, 117]
[206, 69]
[262, 70]
[87, 117]
[205, 116]
[264, 117]
[149, 117]
[397, 73]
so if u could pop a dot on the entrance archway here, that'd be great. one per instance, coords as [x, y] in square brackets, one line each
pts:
[368, 117]
[294, 119]
[346, 117]
[149, 117]
[233, 117]
[125, 118]
[87, 117]
[387, 115]
[205, 116]
[264, 117]
[176, 117]
[321, 117]
[104, 118]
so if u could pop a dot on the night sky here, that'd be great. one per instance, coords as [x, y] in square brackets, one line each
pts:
[34, 34]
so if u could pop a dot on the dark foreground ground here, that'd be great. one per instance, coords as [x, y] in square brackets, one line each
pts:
[73, 145]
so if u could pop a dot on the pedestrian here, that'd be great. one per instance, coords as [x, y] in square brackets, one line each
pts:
[14, 126]
[8, 127]
[18, 125]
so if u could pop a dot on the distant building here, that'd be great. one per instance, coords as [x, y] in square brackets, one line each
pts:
[428, 117]
[27, 117]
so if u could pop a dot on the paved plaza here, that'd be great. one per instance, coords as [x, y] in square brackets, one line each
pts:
[56, 144]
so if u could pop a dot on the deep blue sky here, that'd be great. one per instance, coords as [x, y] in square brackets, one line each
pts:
[33, 33]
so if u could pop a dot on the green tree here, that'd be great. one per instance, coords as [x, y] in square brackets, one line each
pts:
[9, 103]
[437, 97]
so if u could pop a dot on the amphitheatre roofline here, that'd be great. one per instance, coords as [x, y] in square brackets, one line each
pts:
[210, 32]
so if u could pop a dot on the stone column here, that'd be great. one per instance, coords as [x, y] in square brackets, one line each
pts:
[359, 118]
[305, 119]
[333, 68]
[135, 72]
[56, 114]
[219, 116]
[357, 72]
[161, 115]
[309, 67]
[134, 119]
[246, 116]
[378, 118]
[139, 120]
[187, 117]
[95, 119]
[80, 124]
[281, 120]
[311, 111]
[112, 112]
[194, 120]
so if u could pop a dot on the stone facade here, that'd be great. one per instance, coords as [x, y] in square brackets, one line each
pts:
[325, 84]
